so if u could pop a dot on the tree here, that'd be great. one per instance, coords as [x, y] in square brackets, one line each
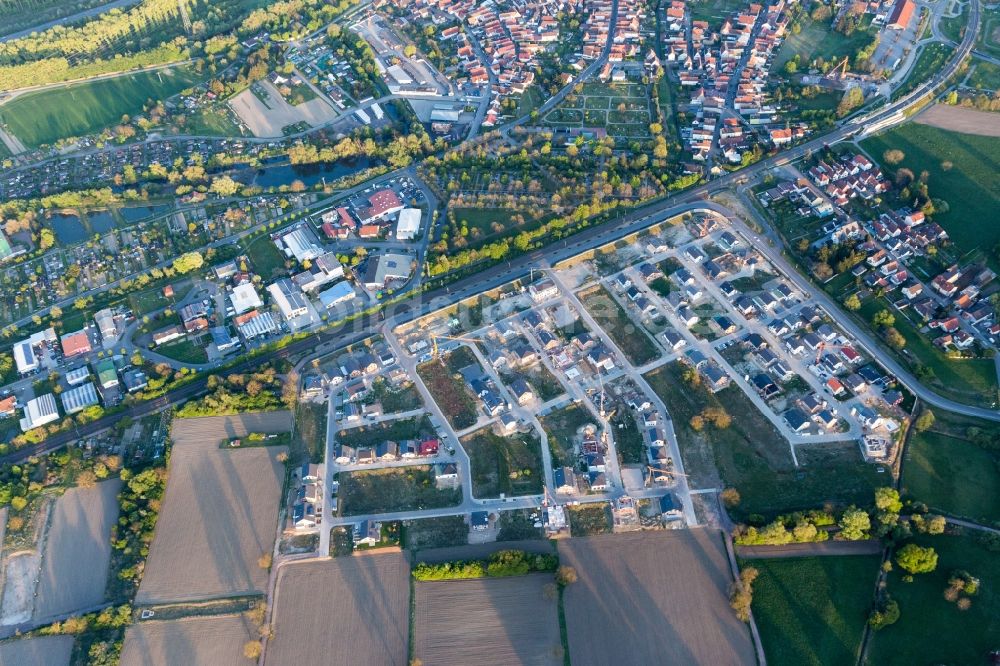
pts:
[893, 156]
[188, 262]
[264, 561]
[883, 318]
[252, 650]
[936, 524]
[886, 613]
[924, 421]
[852, 303]
[730, 497]
[86, 479]
[55, 312]
[851, 100]
[894, 338]
[225, 186]
[916, 559]
[566, 575]
[409, 50]
[854, 524]
[887, 499]
[741, 594]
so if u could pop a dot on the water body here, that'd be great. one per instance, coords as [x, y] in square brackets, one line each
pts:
[310, 174]
[101, 221]
[132, 214]
[68, 228]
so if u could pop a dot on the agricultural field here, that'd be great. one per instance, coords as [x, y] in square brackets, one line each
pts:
[192, 640]
[392, 489]
[812, 610]
[504, 465]
[450, 393]
[951, 474]
[623, 109]
[964, 171]
[41, 651]
[488, 621]
[753, 457]
[349, 611]
[83, 108]
[220, 511]
[676, 610]
[611, 317]
[74, 569]
[933, 630]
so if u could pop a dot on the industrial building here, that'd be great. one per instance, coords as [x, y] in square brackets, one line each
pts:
[290, 300]
[408, 225]
[244, 298]
[39, 411]
[77, 399]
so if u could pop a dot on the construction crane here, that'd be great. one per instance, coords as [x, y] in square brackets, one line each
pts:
[663, 472]
[435, 338]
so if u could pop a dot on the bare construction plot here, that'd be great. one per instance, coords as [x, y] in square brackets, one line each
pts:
[657, 597]
[20, 575]
[348, 611]
[960, 119]
[488, 621]
[42, 651]
[269, 118]
[74, 571]
[220, 512]
[217, 641]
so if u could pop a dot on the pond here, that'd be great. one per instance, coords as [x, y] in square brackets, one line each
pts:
[133, 214]
[309, 174]
[68, 228]
[101, 221]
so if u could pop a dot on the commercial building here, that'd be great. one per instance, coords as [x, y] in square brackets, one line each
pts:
[75, 344]
[79, 398]
[106, 324]
[255, 324]
[222, 339]
[244, 298]
[901, 14]
[408, 225]
[39, 411]
[342, 292]
[168, 334]
[290, 300]
[381, 204]
[78, 375]
[301, 244]
[25, 358]
[107, 374]
[386, 268]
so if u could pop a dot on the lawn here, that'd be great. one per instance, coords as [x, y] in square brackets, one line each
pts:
[628, 440]
[812, 610]
[931, 59]
[265, 258]
[989, 33]
[818, 39]
[971, 185]
[211, 122]
[610, 316]
[752, 456]
[589, 519]
[449, 392]
[954, 28]
[393, 489]
[561, 427]
[504, 465]
[184, 351]
[80, 109]
[152, 300]
[714, 11]
[951, 474]
[985, 76]
[932, 630]
[972, 381]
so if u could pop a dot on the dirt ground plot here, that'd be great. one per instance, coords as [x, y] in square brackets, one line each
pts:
[215, 641]
[960, 119]
[652, 598]
[267, 120]
[348, 611]
[501, 621]
[220, 512]
[42, 651]
[74, 570]
[18, 588]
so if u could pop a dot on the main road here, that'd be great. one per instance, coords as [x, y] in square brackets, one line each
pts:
[601, 234]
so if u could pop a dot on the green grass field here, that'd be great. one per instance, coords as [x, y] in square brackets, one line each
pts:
[79, 109]
[606, 311]
[812, 610]
[932, 630]
[985, 76]
[184, 351]
[989, 33]
[818, 39]
[211, 122]
[508, 465]
[714, 11]
[265, 257]
[971, 185]
[951, 474]
[931, 59]
[753, 457]
[953, 28]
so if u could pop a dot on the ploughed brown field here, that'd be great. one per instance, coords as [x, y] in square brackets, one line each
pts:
[42, 651]
[216, 640]
[652, 598]
[220, 512]
[488, 621]
[347, 611]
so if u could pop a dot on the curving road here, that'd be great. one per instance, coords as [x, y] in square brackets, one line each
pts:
[321, 343]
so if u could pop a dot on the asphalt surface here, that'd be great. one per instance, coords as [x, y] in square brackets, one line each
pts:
[587, 239]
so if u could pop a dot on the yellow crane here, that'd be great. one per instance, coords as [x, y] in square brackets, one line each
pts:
[663, 472]
[435, 338]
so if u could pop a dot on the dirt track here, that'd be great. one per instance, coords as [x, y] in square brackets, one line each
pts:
[811, 549]
[960, 119]
[220, 512]
[652, 598]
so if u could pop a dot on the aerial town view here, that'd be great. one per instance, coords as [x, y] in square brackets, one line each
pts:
[497, 332]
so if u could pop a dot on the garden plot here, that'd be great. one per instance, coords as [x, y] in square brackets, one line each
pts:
[220, 512]
[488, 621]
[42, 651]
[349, 611]
[74, 569]
[622, 109]
[267, 114]
[676, 609]
[193, 640]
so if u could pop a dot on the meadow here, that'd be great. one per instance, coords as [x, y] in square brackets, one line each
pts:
[44, 117]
